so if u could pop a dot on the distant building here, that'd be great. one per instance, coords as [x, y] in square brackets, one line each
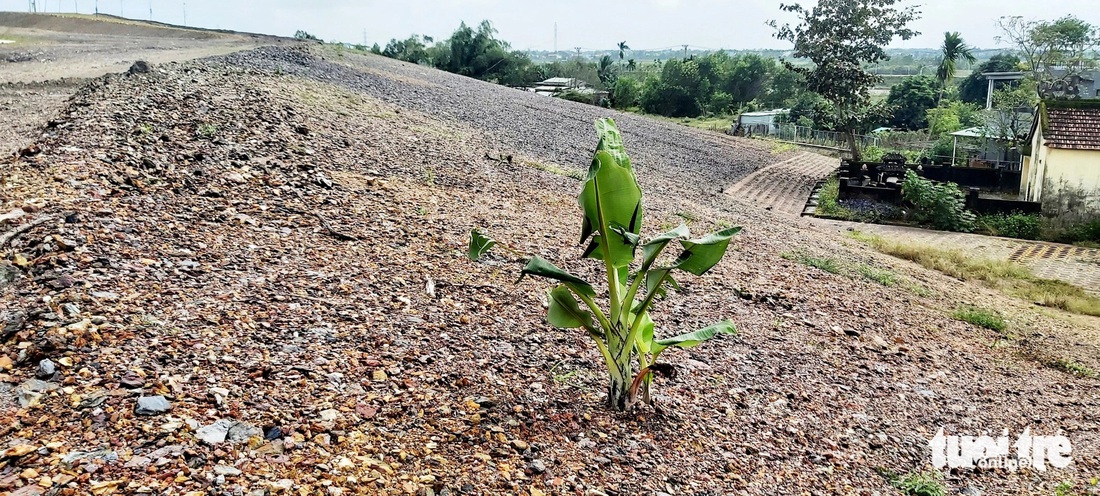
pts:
[574, 88]
[763, 123]
[1062, 167]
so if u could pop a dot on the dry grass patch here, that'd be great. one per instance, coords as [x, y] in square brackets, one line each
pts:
[1007, 277]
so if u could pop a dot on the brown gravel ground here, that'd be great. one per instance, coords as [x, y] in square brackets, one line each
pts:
[203, 232]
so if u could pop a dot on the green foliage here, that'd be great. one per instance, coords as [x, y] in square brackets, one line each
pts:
[1075, 368]
[953, 116]
[827, 264]
[910, 101]
[375, 49]
[718, 82]
[840, 37]
[920, 484]
[1012, 225]
[302, 35]
[1084, 232]
[206, 130]
[612, 222]
[883, 277]
[952, 50]
[828, 201]
[626, 93]
[720, 103]
[941, 205]
[989, 319]
[476, 53]
[973, 89]
[411, 49]
[1066, 44]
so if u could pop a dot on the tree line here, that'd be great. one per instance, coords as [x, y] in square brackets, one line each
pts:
[826, 84]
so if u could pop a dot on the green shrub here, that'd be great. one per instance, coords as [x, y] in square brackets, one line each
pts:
[611, 203]
[942, 205]
[920, 484]
[989, 319]
[1013, 225]
[1086, 232]
[828, 201]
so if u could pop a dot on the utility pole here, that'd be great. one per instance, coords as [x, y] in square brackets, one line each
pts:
[578, 49]
[184, 13]
[685, 52]
[150, 10]
[555, 38]
[96, 7]
[121, 9]
[32, 6]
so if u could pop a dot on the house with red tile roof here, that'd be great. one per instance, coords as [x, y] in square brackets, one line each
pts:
[1062, 167]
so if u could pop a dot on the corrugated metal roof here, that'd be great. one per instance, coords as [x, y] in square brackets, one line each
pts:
[1072, 128]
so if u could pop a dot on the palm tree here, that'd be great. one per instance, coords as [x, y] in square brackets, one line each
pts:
[622, 51]
[631, 65]
[953, 49]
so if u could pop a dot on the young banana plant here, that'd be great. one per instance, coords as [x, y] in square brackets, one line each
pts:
[612, 204]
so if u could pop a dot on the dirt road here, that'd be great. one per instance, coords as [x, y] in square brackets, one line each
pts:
[46, 57]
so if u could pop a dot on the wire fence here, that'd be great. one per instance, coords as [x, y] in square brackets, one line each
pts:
[809, 136]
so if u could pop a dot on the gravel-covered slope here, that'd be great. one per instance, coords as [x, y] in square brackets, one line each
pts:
[284, 254]
[549, 129]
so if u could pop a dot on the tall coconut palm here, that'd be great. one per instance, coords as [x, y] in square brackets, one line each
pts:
[953, 49]
[622, 51]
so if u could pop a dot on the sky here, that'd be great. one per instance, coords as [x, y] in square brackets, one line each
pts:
[589, 24]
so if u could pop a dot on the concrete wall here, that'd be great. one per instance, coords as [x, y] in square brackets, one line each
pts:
[1071, 185]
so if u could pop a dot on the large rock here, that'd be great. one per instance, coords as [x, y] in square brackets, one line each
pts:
[152, 405]
[234, 431]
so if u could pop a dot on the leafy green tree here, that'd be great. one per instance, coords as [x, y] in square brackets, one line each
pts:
[910, 100]
[377, 50]
[411, 49]
[840, 37]
[680, 90]
[720, 103]
[952, 117]
[952, 50]
[302, 35]
[626, 93]
[605, 68]
[1067, 44]
[973, 89]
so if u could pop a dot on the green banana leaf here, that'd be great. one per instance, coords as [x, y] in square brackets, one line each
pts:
[565, 312]
[701, 254]
[611, 196]
[479, 244]
[538, 266]
[694, 338]
[652, 248]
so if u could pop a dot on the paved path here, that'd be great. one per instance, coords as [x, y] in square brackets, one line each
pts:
[1072, 264]
[785, 186]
